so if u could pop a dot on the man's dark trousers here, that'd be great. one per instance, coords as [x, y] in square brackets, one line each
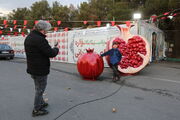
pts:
[40, 86]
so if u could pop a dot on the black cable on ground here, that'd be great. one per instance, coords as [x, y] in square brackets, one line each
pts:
[86, 102]
[90, 101]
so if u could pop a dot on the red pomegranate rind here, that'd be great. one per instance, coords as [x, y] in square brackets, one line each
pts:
[90, 65]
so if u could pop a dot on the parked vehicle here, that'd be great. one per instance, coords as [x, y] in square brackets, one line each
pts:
[6, 51]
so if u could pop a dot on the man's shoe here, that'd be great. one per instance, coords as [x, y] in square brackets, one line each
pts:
[45, 105]
[39, 112]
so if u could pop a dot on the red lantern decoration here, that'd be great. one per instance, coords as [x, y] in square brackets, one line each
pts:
[16, 33]
[5, 22]
[55, 28]
[24, 27]
[35, 22]
[1, 32]
[128, 23]
[65, 29]
[15, 26]
[23, 34]
[58, 22]
[85, 22]
[98, 23]
[5, 26]
[112, 23]
[14, 22]
[25, 22]
[90, 65]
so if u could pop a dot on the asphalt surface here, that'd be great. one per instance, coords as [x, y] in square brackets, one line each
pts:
[152, 94]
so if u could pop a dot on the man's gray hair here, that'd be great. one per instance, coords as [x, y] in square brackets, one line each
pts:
[42, 25]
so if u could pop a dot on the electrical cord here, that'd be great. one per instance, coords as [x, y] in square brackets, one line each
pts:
[121, 84]
[90, 101]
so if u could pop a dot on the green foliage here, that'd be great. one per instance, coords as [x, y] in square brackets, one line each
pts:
[40, 10]
[20, 14]
[93, 10]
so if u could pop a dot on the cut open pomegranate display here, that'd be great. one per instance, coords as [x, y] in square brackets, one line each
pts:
[135, 51]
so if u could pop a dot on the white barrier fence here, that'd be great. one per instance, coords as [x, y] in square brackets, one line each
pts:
[72, 44]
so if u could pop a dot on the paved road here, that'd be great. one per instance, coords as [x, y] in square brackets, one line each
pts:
[153, 94]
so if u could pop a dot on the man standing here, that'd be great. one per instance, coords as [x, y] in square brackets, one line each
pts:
[38, 52]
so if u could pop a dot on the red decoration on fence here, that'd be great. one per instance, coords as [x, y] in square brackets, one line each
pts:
[128, 23]
[2, 37]
[112, 23]
[85, 22]
[5, 26]
[23, 34]
[16, 33]
[66, 29]
[14, 22]
[24, 27]
[98, 23]
[35, 22]
[15, 26]
[55, 28]
[58, 22]
[8, 34]
[154, 18]
[25, 22]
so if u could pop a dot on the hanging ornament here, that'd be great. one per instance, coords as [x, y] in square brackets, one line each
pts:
[85, 22]
[98, 23]
[14, 22]
[19, 30]
[55, 29]
[175, 14]
[58, 22]
[5, 22]
[65, 29]
[2, 37]
[16, 33]
[8, 34]
[153, 18]
[1, 32]
[11, 29]
[23, 34]
[112, 23]
[15, 26]
[24, 27]
[28, 30]
[5, 26]
[36, 21]
[25, 22]
[128, 23]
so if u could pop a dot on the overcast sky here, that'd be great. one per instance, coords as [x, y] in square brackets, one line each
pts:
[8, 5]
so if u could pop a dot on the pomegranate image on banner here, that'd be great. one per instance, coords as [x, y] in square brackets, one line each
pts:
[135, 51]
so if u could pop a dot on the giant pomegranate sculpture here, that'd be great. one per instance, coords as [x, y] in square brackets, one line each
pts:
[135, 51]
[90, 65]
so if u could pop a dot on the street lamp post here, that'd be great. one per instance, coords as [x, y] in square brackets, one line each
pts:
[137, 17]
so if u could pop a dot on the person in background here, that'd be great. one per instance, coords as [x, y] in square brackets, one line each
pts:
[38, 52]
[115, 58]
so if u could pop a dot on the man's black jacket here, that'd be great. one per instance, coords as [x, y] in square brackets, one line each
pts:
[38, 52]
